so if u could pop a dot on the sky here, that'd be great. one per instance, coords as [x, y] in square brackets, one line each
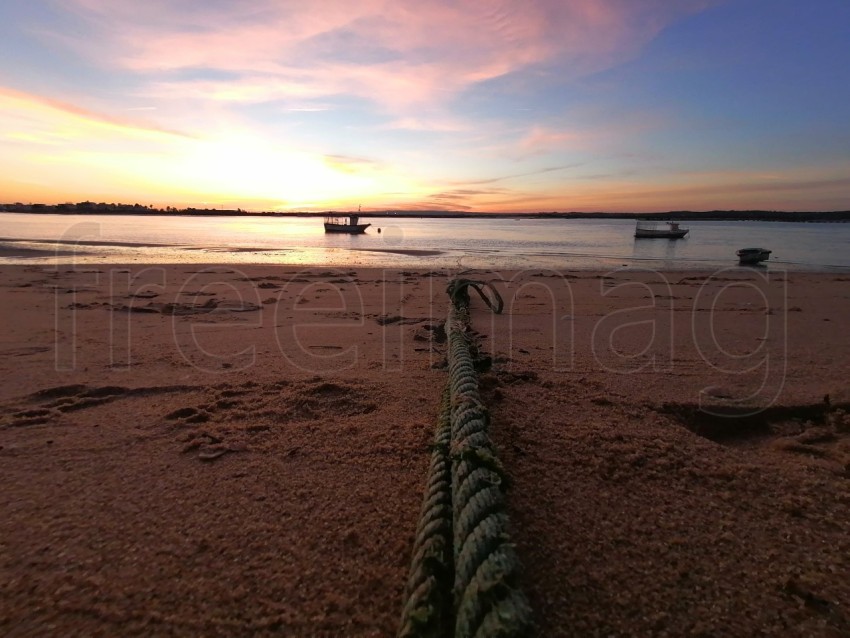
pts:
[479, 105]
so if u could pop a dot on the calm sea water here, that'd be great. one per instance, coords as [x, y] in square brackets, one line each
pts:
[433, 243]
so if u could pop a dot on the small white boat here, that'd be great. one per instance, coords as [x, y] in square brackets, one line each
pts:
[347, 224]
[658, 230]
[750, 256]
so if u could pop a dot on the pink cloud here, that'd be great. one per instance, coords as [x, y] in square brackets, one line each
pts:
[828, 187]
[398, 54]
[28, 102]
[741, 190]
[542, 140]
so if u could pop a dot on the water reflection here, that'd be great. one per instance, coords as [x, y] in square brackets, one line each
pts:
[664, 251]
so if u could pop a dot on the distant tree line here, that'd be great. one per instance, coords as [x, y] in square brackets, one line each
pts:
[102, 208]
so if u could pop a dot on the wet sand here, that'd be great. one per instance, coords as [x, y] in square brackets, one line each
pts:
[235, 451]
[13, 249]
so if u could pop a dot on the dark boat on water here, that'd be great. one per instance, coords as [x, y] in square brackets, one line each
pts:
[656, 230]
[346, 224]
[752, 256]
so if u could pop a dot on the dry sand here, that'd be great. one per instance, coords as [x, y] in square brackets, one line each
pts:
[220, 451]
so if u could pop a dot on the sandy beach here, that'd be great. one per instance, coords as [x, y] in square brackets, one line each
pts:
[241, 450]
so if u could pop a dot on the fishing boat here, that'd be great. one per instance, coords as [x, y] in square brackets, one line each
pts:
[345, 224]
[658, 230]
[751, 256]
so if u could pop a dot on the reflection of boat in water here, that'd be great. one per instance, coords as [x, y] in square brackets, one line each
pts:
[347, 224]
[657, 230]
[752, 256]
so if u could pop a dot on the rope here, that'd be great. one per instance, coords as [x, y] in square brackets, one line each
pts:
[458, 293]
[483, 567]
[427, 611]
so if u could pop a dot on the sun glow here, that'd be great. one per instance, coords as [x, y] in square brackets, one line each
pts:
[243, 167]
[84, 154]
[516, 107]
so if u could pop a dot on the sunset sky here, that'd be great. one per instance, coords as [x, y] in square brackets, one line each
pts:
[593, 105]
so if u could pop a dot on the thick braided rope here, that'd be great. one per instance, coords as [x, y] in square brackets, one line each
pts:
[427, 611]
[487, 601]
[462, 546]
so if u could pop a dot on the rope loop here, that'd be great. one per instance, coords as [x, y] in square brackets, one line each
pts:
[459, 294]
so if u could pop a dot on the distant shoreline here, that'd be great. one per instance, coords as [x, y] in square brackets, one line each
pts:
[682, 215]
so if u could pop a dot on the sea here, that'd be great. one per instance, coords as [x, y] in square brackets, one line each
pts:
[420, 243]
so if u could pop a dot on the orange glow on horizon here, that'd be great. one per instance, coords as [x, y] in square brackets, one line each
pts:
[75, 154]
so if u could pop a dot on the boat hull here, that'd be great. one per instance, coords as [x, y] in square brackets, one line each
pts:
[351, 229]
[660, 234]
[752, 256]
